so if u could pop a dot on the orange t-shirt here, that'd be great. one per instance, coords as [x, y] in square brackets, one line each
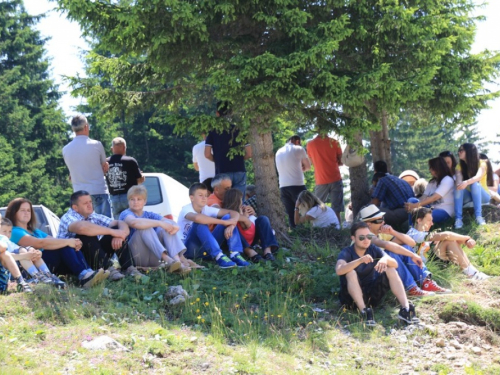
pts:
[324, 154]
[212, 199]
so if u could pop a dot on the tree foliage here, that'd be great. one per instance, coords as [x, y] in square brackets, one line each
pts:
[32, 127]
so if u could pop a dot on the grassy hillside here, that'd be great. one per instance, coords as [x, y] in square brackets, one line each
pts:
[281, 318]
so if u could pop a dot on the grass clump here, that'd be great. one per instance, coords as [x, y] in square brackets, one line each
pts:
[472, 313]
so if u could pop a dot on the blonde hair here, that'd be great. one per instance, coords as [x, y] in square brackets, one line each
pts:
[308, 200]
[137, 190]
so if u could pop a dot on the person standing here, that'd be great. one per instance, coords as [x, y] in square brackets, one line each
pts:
[123, 173]
[86, 161]
[325, 154]
[218, 147]
[204, 166]
[291, 163]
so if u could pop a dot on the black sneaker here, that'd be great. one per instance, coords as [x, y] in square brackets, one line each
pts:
[269, 257]
[256, 258]
[413, 315]
[368, 317]
[405, 315]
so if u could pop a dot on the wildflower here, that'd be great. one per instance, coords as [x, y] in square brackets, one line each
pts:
[214, 288]
[197, 299]
[198, 317]
[305, 314]
[197, 310]
[279, 316]
[236, 305]
[310, 323]
[205, 253]
[203, 320]
[206, 303]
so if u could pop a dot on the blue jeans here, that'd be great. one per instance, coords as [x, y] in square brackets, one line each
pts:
[200, 240]
[408, 271]
[66, 261]
[238, 180]
[101, 204]
[263, 234]
[438, 215]
[476, 194]
[119, 203]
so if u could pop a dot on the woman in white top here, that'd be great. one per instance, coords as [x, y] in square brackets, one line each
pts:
[491, 179]
[309, 208]
[470, 183]
[438, 193]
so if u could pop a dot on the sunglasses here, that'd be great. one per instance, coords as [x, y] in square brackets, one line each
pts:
[362, 237]
[378, 221]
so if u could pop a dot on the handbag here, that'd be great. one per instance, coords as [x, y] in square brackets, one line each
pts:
[351, 158]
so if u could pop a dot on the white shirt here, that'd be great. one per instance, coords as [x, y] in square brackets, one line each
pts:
[84, 158]
[446, 190]
[322, 218]
[185, 224]
[289, 164]
[207, 167]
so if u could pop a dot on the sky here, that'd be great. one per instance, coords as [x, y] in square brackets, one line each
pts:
[66, 47]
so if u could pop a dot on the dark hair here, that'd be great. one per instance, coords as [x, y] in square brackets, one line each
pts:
[223, 108]
[448, 154]
[419, 213]
[196, 186]
[73, 200]
[439, 166]
[489, 170]
[208, 184]
[470, 166]
[14, 206]
[377, 176]
[358, 225]
[380, 166]
[6, 222]
[294, 138]
[232, 200]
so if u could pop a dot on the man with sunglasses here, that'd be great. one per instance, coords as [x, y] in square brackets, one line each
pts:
[399, 246]
[366, 274]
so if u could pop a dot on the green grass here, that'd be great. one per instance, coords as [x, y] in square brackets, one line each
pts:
[267, 319]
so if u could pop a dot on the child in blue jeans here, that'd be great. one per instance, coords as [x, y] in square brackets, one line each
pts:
[194, 220]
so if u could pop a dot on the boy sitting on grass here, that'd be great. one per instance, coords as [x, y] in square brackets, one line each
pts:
[194, 220]
[9, 266]
[30, 259]
[445, 245]
[367, 273]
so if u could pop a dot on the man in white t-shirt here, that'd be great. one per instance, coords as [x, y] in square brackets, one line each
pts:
[194, 220]
[205, 167]
[291, 163]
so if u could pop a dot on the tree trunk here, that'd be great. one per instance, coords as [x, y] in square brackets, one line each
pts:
[359, 182]
[266, 181]
[380, 142]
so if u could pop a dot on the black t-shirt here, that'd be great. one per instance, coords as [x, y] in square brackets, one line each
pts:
[365, 271]
[122, 174]
[221, 144]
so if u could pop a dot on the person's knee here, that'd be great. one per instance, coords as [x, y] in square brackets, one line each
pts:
[226, 217]
[22, 250]
[352, 277]
[263, 220]
[391, 272]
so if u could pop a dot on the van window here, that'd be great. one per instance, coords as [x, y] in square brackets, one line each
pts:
[152, 184]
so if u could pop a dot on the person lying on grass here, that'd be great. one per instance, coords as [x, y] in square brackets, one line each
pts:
[253, 230]
[367, 274]
[30, 259]
[8, 266]
[445, 245]
[309, 208]
[194, 220]
[154, 240]
[400, 246]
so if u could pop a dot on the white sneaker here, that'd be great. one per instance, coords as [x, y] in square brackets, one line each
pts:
[480, 220]
[459, 224]
[480, 276]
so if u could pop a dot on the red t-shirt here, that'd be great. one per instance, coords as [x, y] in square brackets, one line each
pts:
[248, 234]
[212, 199]
[324, 154]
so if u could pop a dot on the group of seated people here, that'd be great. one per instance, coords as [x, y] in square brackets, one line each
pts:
[379, 258]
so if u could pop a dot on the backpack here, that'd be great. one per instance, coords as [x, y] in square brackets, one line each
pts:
[350, 157]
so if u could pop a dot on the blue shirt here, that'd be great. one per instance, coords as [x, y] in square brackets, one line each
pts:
[145, 215]
[366, 271]
[18, 233]
[72, 216]
[221, 144]
[393, 191]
